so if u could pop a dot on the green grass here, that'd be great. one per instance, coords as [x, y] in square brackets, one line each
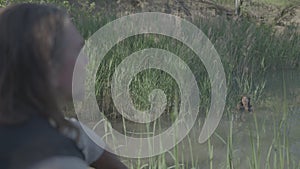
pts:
[247, 51]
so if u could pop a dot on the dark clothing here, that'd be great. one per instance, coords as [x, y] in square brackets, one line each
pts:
[34, 140]
[241, 108]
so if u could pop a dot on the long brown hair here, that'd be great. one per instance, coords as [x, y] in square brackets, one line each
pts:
[30, 36]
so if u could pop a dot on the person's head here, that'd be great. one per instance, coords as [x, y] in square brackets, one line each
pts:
[245, 101]
[38, 49]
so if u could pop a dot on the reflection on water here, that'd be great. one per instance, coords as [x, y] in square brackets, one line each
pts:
[275, 89]
[246, 136]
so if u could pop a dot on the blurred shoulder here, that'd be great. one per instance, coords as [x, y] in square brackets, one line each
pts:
[61, 162]
[91, 144]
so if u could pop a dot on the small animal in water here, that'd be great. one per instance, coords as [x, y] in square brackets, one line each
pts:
[245, 104]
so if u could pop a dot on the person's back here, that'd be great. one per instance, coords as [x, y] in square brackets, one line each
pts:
[38, 50]
[25, 144]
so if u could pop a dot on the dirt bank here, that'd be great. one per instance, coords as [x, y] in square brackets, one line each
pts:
[279, 17]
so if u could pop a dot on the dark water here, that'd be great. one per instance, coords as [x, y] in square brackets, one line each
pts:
[267, 136]
[275, 88]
